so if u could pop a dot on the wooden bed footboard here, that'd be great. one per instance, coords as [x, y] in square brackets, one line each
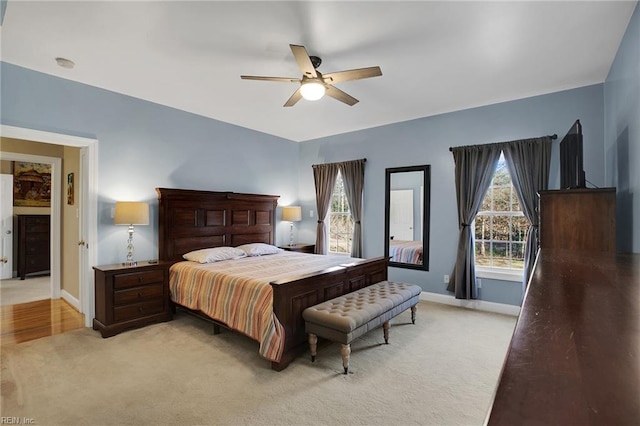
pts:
[292, 296]
[194, 219]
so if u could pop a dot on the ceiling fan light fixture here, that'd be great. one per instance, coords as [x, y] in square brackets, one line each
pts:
[312, 90]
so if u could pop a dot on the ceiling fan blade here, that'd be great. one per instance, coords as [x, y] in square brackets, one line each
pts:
[338, 94]
[303, 60]
[357, 74]
[297, 95]
[282, 79]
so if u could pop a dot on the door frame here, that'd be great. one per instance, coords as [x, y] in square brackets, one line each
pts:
[88, 208]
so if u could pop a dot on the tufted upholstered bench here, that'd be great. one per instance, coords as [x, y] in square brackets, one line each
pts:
[348, 317]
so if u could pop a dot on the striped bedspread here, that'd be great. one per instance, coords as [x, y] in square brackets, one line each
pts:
[406, 251]
[238, 294]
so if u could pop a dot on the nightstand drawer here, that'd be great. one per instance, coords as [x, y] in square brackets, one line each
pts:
[138, 294]
[138, 279]
[138, 310]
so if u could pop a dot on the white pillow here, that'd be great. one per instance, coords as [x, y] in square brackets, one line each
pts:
[259, 249]
[215, 254]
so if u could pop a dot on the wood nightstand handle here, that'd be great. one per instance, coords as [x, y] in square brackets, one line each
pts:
[140, 294]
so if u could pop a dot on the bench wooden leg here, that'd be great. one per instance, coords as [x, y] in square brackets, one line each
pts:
[346, 351]
[313, 346]
[413, 313]
[385, 329]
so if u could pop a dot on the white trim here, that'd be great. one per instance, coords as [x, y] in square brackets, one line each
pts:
[480, 305]
[46, 137]
[70, 299]
[499, 274]
[89, 233]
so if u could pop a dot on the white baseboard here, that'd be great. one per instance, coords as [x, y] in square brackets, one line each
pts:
[480, 305]
[70, 299]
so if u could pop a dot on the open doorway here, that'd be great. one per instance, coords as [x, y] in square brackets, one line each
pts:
[25, 190]
[87, 213]
[33, 220]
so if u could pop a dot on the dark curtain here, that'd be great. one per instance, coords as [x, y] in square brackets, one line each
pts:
[324, 176]
[474, 168]
[528, 162]
[353, 177]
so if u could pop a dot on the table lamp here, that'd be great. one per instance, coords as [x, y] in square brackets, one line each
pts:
[292, 214]
[131, 213]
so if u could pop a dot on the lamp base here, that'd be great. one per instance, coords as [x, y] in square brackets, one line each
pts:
[291, 243]
[130, 261]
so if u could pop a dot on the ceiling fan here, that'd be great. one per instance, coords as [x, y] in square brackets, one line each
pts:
[314, 84]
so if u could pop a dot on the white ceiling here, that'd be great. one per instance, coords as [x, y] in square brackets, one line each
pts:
[435, 57]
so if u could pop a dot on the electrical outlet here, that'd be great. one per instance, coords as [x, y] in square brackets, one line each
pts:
[310, 213]
[479, 281]
[446, 279]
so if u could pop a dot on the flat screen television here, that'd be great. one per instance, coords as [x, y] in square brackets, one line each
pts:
[571, 162]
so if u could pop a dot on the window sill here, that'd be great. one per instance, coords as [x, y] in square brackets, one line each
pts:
[499, 274]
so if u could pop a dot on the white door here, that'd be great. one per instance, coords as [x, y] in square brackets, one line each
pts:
[6, 225]
[401, 215]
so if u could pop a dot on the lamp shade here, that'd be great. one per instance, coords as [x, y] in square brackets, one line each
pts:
[292, 213]
[131, 213]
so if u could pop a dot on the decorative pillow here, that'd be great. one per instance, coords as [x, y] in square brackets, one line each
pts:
[215, 254]
[259, 249]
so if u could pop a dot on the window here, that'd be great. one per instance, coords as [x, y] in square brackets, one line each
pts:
[500, 228]
[340, 220]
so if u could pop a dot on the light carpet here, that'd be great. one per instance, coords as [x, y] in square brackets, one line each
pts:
[15, 291]
[441, 371]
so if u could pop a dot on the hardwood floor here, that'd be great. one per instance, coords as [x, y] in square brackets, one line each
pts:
[33, 320]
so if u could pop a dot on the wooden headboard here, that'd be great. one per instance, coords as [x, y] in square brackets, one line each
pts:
[191, 220]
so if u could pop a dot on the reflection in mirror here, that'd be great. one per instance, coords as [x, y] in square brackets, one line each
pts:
[407, 216]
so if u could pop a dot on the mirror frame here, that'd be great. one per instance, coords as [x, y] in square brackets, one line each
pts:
[426, 169]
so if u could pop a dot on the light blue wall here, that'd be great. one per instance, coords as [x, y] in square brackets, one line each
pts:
[143, 145]
[427, 141]
[622, 135]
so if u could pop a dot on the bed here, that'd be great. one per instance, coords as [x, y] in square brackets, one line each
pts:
[190, 220]
[406, 251]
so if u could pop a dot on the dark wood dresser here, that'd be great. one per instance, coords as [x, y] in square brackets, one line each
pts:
[34, 244]
[578, 219]
[574, 358]
[131, 296]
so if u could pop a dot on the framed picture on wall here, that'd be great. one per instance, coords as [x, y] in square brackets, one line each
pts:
[70, 189]
[31, 184]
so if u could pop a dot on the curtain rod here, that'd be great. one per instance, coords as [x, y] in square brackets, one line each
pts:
[361, 159]
[553, 136]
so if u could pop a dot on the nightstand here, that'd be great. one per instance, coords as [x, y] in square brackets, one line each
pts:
[131, 296]
[300, 247]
